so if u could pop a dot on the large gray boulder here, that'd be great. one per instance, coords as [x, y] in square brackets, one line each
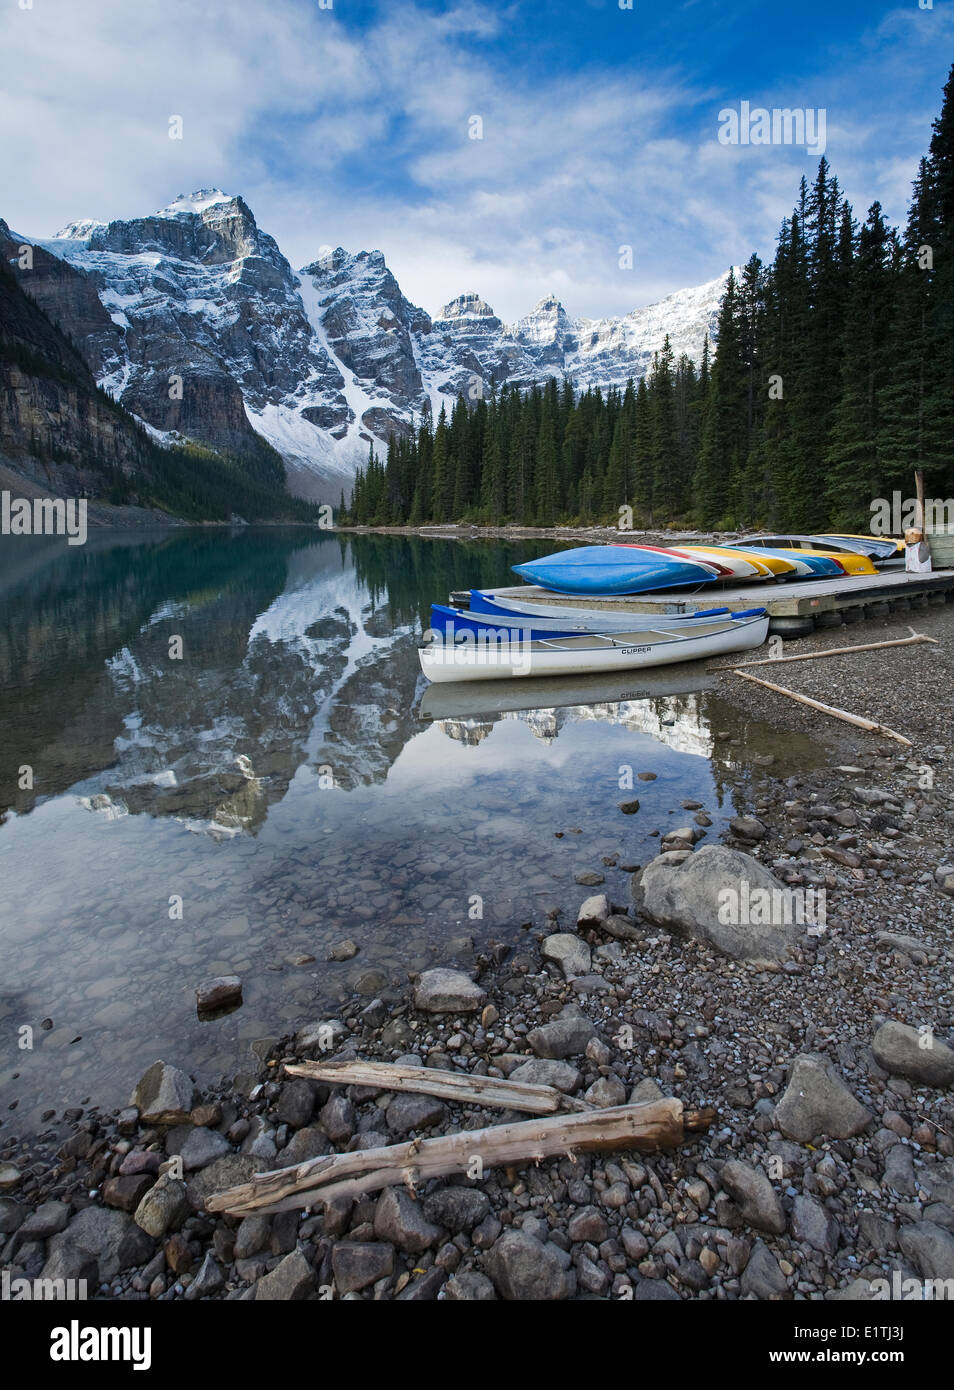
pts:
[755, 1196]
[399, 1220]
[95, 1246]
[903, 1051]
[541, 1071]
[724, 897]
[569, 952]
[817, 1102]
[443, 991]
[292, 1280]
[762, 1277]
[561, 1038]
[524, 1270]
[930, 1249]
[358, 1263]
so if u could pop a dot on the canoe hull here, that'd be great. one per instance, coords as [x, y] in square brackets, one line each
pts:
[486, 604]
[741, 566]
[522, 627]
[588, 655]
[613, 569]
[807, 565]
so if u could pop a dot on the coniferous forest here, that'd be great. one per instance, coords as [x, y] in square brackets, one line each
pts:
[831, 382]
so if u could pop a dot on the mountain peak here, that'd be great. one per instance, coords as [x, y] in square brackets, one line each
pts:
[197, 202]
[78, 230]
[467, 306]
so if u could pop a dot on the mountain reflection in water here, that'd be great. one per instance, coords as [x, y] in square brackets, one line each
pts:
[294, 781]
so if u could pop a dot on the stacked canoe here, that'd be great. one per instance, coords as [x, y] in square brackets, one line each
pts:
[499, 636]
[624, 568]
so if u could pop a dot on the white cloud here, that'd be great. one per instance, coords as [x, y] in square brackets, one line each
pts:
[336, 135]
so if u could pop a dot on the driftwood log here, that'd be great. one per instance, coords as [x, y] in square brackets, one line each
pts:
[842, 714]
[446, 1085]
[833, 651]
[660, 1124]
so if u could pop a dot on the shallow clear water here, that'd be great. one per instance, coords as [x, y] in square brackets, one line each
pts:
[287, 784]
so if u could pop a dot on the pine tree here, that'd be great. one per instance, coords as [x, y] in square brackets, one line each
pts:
[643, 454]
[902, 438]
[665, 454]
[853, 461]
[939, 327]
[442, 484]
[724, 445]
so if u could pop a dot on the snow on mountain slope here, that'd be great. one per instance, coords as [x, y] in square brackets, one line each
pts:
[208, 333]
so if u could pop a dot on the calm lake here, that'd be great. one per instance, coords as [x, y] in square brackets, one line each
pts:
[236, 765]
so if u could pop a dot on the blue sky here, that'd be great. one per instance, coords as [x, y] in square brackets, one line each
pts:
[350, 126]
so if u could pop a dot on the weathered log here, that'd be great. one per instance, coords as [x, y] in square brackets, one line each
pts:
[842, 714]
[831, 651]
[660, 1124]
[446, 1085]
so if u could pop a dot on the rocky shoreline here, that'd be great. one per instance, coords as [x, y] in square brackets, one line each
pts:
[595, 535]
[825, 1053]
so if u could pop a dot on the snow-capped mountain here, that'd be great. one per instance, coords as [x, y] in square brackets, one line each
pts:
[208, 333]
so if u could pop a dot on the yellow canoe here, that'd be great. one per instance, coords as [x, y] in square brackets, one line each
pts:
[763, 567]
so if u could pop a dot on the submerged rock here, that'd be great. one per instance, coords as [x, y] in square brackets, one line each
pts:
[222, 992]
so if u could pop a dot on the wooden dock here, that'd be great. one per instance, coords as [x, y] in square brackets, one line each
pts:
[795, 607]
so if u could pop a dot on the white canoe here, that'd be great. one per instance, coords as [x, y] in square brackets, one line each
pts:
[476, 658]
[739, 566]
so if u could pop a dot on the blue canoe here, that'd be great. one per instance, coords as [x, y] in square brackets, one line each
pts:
[613, 569]
[806, 564]
[450, 622]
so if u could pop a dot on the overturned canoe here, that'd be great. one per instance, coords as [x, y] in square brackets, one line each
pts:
[485, 602]
[875, 547]
[448, 622]
[740, 566]
[848, 560]
[614, 569]
[493, 656]
[808, 564]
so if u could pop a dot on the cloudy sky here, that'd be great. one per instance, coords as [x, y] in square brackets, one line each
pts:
[352, 125]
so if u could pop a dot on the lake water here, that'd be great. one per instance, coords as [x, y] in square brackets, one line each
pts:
[288, 782]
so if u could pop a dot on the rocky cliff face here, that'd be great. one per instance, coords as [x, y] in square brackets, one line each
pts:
[194, 319]
[62, 432]
[56, 427]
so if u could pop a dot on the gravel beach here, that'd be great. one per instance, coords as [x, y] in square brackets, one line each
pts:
[825, 1051]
